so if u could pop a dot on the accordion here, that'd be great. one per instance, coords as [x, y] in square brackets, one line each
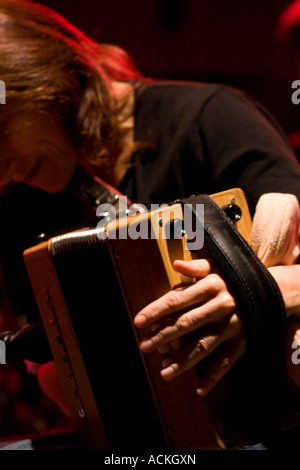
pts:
[88, 290]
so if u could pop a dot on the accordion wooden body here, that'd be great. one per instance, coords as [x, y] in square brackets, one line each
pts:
[88, 291]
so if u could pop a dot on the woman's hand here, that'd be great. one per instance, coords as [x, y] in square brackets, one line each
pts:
[207, 304]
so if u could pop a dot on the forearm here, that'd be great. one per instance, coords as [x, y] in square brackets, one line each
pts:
[288, 280]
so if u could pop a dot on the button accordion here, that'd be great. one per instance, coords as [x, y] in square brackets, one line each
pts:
[88, 290]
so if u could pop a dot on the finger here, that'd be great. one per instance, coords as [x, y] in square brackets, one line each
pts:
[180, 299]
[228, 357]
[165, 347]
[176, 344]
[228, 332]
[198, 268]
[217, 311]
[196, 352]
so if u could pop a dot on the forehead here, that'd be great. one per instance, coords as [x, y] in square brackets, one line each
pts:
[25, 121]
[28, 128]
[29, 133]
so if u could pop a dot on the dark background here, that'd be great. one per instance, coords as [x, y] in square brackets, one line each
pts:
[226, 41]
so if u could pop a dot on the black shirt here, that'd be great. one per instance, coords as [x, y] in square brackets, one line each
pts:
[206, 138]
[194, 138]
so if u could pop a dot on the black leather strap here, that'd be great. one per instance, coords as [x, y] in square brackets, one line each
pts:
[261, 308]
[91, 191]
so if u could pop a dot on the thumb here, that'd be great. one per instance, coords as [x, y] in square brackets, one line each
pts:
[198, 268]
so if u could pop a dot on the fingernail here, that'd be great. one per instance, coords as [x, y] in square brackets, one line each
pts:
[167, 373]
[140, 320]
[146, 345]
